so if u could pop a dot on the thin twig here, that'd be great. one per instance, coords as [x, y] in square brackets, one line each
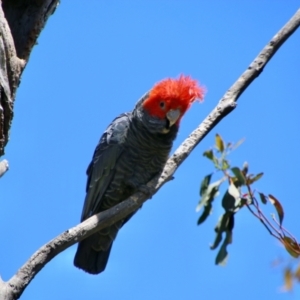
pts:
[264, 218]
[39, 259]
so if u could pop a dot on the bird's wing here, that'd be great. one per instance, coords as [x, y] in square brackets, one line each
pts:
[102, 167]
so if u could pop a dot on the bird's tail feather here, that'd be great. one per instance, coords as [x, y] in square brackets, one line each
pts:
[90, 260]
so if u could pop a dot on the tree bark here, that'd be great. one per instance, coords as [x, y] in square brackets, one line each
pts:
[21, 22]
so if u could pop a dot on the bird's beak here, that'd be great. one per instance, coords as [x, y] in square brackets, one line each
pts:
[173, 115]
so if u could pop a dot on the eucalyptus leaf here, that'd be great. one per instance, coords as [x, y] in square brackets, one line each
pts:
[209, 154]
[231, 199]
[225, 165]
[225, 223]
[204, 184]
[278, 207]
[222, 255]
[245, 168]
[210, 193]
[239, 175]
[291, 246]
[255, 178]
[206, 212]
[263, 198]
[219, 143]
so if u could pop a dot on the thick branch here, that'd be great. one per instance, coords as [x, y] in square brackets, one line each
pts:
[20, 25]
[26, 273]
[26, 20]
[10, 71]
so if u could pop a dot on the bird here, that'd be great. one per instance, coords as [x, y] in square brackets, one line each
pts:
[133, 150]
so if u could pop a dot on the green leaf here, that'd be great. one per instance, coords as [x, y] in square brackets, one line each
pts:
[239, 175]
[217, 241]
[209, 154]
[231, 199]
[255, 178]
[204, 184]
[263, 198]
[234, 192]
[245, 201]
[226, 222]
[210, 193]
[278, 207]
[222, 255]
[245, 168]
[219, 143]
[231, 222]
[228, 202]
[206, 212]
[225, 165]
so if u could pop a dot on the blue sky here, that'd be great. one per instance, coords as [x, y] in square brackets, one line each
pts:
[93, 62]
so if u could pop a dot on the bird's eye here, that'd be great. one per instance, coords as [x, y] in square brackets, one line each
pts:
[162, 104]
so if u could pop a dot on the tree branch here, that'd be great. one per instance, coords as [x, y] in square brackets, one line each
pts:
[16, 285]
[20, 25]
[10, 71]
[3, 167]
[26, 20]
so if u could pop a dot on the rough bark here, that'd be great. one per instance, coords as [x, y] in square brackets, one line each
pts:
[13, 288]
[21, 22]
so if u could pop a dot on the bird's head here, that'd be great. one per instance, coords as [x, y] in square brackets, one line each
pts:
[169, 100]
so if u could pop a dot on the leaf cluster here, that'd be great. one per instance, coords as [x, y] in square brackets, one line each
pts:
[239, 194]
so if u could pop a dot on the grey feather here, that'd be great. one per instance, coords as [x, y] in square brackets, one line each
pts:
[132, 150]
[101, 169]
